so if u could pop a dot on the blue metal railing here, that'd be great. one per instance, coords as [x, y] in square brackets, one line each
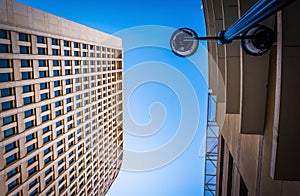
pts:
[257, 13]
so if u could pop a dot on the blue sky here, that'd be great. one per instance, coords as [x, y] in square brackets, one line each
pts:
[165, 95]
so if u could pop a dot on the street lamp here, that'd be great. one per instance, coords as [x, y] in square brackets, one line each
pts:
[255, 39]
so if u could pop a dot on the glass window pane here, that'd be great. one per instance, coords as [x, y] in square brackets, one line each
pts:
[42, 63]
[7, 120]
[5, 77]
[6, 105]
[27, 100]
[3, 48]
[6, 92]
[24, 50]
[25, 63]
[23, 37]
[11, 158]
[9, 132]
[4, 63]
[28, 113]
[40, 39]
[26, 89]
[43, 74]
[43, 86]
[26, 75]
[3, 34]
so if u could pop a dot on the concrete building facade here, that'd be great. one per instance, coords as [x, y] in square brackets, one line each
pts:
[61, 105]
[257, 104]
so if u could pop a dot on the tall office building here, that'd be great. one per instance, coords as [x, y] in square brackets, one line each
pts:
[257, 105]
[61, 95]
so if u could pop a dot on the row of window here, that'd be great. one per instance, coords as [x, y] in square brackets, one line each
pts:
[4, 34]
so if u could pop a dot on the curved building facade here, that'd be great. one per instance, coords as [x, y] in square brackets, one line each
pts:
[257, 104]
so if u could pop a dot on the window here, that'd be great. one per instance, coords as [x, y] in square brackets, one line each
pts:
[42, 63]
[60, 151]
[48, 171]
[84, 46]
[24, 50]
[3, 34]
[66, 43]
[58, 123]
[12, 173]
[26, 75]
[55, 52]
[29, 124]
[70, 126]
[45, 118]
[28, 113]
[67, 52]
[13, 184]
[6, 92]
[44, 96]
[58, 113]
[56, 72]
[7, 105]
[46, 151]
[47, 160]
[11, 158]
[5, 77]
[44, 108]
[27, 100]
[68, 72]
[31, 171]
[8, 120]
[45, 130]
[43, 74]
[41, 51]
[43, 86]
[55, 63]
[61, 180]
[58, 103]
[23, 37]
[76, 53]
[59, 132]
[56, 83]
[41, 40]
[76, 45]
[10, 146]
[26, 89]
[59, 143]
[3, 48]
[34, 192]
[49, 192]
[31, 184]
[68, 90]
[68, 81]
[29, 137]
[57, 93]
[9, 132]
[69, 108]
[30, 148]
[4, 63]
[54, 41]
[69, 100]
[25, 63]
[31, 160]
[60, 161]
